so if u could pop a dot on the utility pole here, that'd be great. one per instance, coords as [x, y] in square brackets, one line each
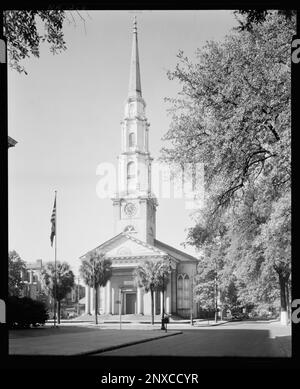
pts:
[55, 260]
[4, 135]
[78, 296]
[120, 306]
[95, 292]
[192, 299]
[163, 305]
[216, 293]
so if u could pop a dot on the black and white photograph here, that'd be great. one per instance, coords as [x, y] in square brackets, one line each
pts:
[148, 184]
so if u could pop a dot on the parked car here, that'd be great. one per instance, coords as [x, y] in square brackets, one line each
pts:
[239, 316]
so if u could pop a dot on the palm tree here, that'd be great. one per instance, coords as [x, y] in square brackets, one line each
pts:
[57, 288]
[152, 276]
[95, 270]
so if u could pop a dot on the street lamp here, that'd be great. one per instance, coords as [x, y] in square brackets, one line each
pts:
[78, 296]
[95, 291]
[192, 300]
[163, 300]
[216, 292]
[163, 305]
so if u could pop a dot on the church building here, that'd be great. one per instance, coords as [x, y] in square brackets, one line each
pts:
[134, 212]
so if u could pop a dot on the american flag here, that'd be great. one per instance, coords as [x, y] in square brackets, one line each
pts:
[53, 219]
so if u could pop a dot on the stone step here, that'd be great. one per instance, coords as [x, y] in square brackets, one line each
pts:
[127, 318]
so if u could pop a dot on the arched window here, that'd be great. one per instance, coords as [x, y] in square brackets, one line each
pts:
[183, 291]
[180, 291]
[131, 139]
[131, 176]
[131, 170]
[186, 292]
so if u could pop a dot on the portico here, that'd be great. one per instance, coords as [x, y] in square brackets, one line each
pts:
[133, 300]
[122, 286]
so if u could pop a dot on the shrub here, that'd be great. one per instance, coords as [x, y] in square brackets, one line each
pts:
[24, 312]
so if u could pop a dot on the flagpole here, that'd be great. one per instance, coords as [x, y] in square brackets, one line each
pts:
[55, 291]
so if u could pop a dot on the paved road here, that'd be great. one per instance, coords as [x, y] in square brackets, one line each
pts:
[72, 340]
[230, 339]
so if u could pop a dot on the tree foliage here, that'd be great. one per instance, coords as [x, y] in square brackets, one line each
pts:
[152, 276]
[95, 270]
[26, 30]
[25, 312]
[57, 283]
[233, 115]
[254, 16]
[15, 268]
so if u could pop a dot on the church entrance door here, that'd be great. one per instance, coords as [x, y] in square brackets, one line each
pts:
[130, 303]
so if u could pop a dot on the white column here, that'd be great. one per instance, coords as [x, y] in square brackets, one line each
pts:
[154, 302]
[161, 301]
[120, 296]
[104, 299]
[92, 293]
[98, 298]
[168, 298]
[108, 297]
[113, 301]
[87, 300]
[147, 303]
[139, 301]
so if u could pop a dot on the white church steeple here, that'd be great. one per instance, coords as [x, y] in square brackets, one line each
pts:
[135, 77]
[134, 204]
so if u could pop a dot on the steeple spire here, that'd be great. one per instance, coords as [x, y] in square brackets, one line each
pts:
[135, 89]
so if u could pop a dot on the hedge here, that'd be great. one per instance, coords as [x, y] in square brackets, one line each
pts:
[25, 312]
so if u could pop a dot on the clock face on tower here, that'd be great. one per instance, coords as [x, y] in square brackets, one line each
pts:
[130, 209]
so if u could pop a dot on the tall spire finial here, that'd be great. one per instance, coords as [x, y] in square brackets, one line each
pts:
[134, 25]
[135, 78]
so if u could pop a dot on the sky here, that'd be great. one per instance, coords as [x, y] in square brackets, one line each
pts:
[66, 113]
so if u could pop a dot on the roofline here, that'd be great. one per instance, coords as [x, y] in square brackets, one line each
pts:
[11, 142]
[193, 259]
[102, 244]
[152, 247]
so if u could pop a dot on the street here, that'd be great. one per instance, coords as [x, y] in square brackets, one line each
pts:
[245, 339]
[248, 339]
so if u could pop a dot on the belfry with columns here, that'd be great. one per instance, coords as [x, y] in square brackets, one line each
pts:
[134, 210]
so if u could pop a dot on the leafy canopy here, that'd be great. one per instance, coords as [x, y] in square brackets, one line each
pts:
[233, 115]
[26, 30]
[152, 275]
[15, 268]
[95, 270]
[57, 287]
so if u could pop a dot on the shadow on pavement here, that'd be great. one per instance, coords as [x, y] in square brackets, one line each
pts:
[219, 343]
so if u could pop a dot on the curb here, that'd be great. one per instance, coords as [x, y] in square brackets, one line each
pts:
[110, 348]
[212, 324]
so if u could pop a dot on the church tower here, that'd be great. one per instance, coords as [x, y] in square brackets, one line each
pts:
[134, 204]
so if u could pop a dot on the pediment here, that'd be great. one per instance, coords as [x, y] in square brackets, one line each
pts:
[124, 245]
[127, 251]
[128, 247]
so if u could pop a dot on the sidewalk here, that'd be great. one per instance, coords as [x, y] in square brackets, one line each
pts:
[134, 318]
[137, 319]
[67, 340]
